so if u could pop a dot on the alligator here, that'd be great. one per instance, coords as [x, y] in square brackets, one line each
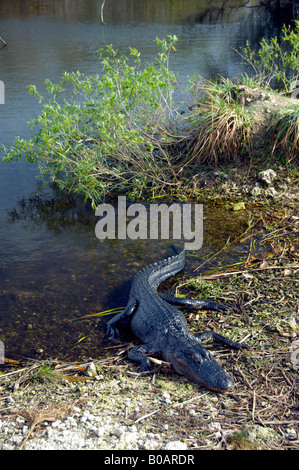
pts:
[163, 331]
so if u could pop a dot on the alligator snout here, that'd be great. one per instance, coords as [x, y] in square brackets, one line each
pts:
[200, 366]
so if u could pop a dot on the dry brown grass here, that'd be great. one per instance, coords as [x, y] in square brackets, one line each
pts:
[221, 125]
[286, 132]
[39, 415]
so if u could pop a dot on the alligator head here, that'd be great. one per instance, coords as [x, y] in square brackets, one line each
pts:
[198, 365]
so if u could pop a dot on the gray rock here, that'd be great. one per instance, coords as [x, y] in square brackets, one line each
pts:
[256, 191]
[90, 370]
[291, 434]
[267, 176]
[176, 445]
[270, 192]
[214, 426]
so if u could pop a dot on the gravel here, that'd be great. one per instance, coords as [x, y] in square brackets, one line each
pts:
[72, 417]
[82, 430]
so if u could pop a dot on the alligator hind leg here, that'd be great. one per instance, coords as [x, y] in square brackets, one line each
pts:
[196, 303]
[211, 334]
[112, 331]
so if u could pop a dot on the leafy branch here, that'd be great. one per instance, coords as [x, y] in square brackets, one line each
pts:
[98, 134]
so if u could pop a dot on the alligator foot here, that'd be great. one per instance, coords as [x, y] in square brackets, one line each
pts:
[112, 330]
[211, 334]
[139, 355]
[195, 303]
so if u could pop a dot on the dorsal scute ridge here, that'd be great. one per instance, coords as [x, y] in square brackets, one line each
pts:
[164, 263]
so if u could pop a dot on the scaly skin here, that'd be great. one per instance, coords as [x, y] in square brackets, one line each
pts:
[162, 328]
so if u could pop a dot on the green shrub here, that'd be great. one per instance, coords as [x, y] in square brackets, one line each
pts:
[106, 133]
[275, 61]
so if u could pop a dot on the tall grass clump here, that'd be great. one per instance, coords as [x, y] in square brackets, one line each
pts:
[220, 125]
[109, 132]
[285, 132]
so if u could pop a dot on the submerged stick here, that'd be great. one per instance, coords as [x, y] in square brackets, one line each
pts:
[102, 12]
[4, 42]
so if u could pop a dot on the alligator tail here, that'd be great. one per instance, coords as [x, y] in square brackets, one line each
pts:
[166, 268]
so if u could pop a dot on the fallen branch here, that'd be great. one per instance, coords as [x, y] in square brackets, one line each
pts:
[149, 414]
[37, 417]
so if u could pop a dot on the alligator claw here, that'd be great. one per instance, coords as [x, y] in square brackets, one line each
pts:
[112, 332]
[144, 369]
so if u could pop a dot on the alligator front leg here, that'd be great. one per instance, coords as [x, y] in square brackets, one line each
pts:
[211, 334]
[112, 331]
[139, 355]
[196, 303]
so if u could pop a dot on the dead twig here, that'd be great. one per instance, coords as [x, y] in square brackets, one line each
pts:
[149, 414]
[38, 416]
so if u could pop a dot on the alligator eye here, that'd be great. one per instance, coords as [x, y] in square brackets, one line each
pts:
[195, 357]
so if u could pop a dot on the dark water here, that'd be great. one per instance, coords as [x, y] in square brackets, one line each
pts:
[52, 266]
